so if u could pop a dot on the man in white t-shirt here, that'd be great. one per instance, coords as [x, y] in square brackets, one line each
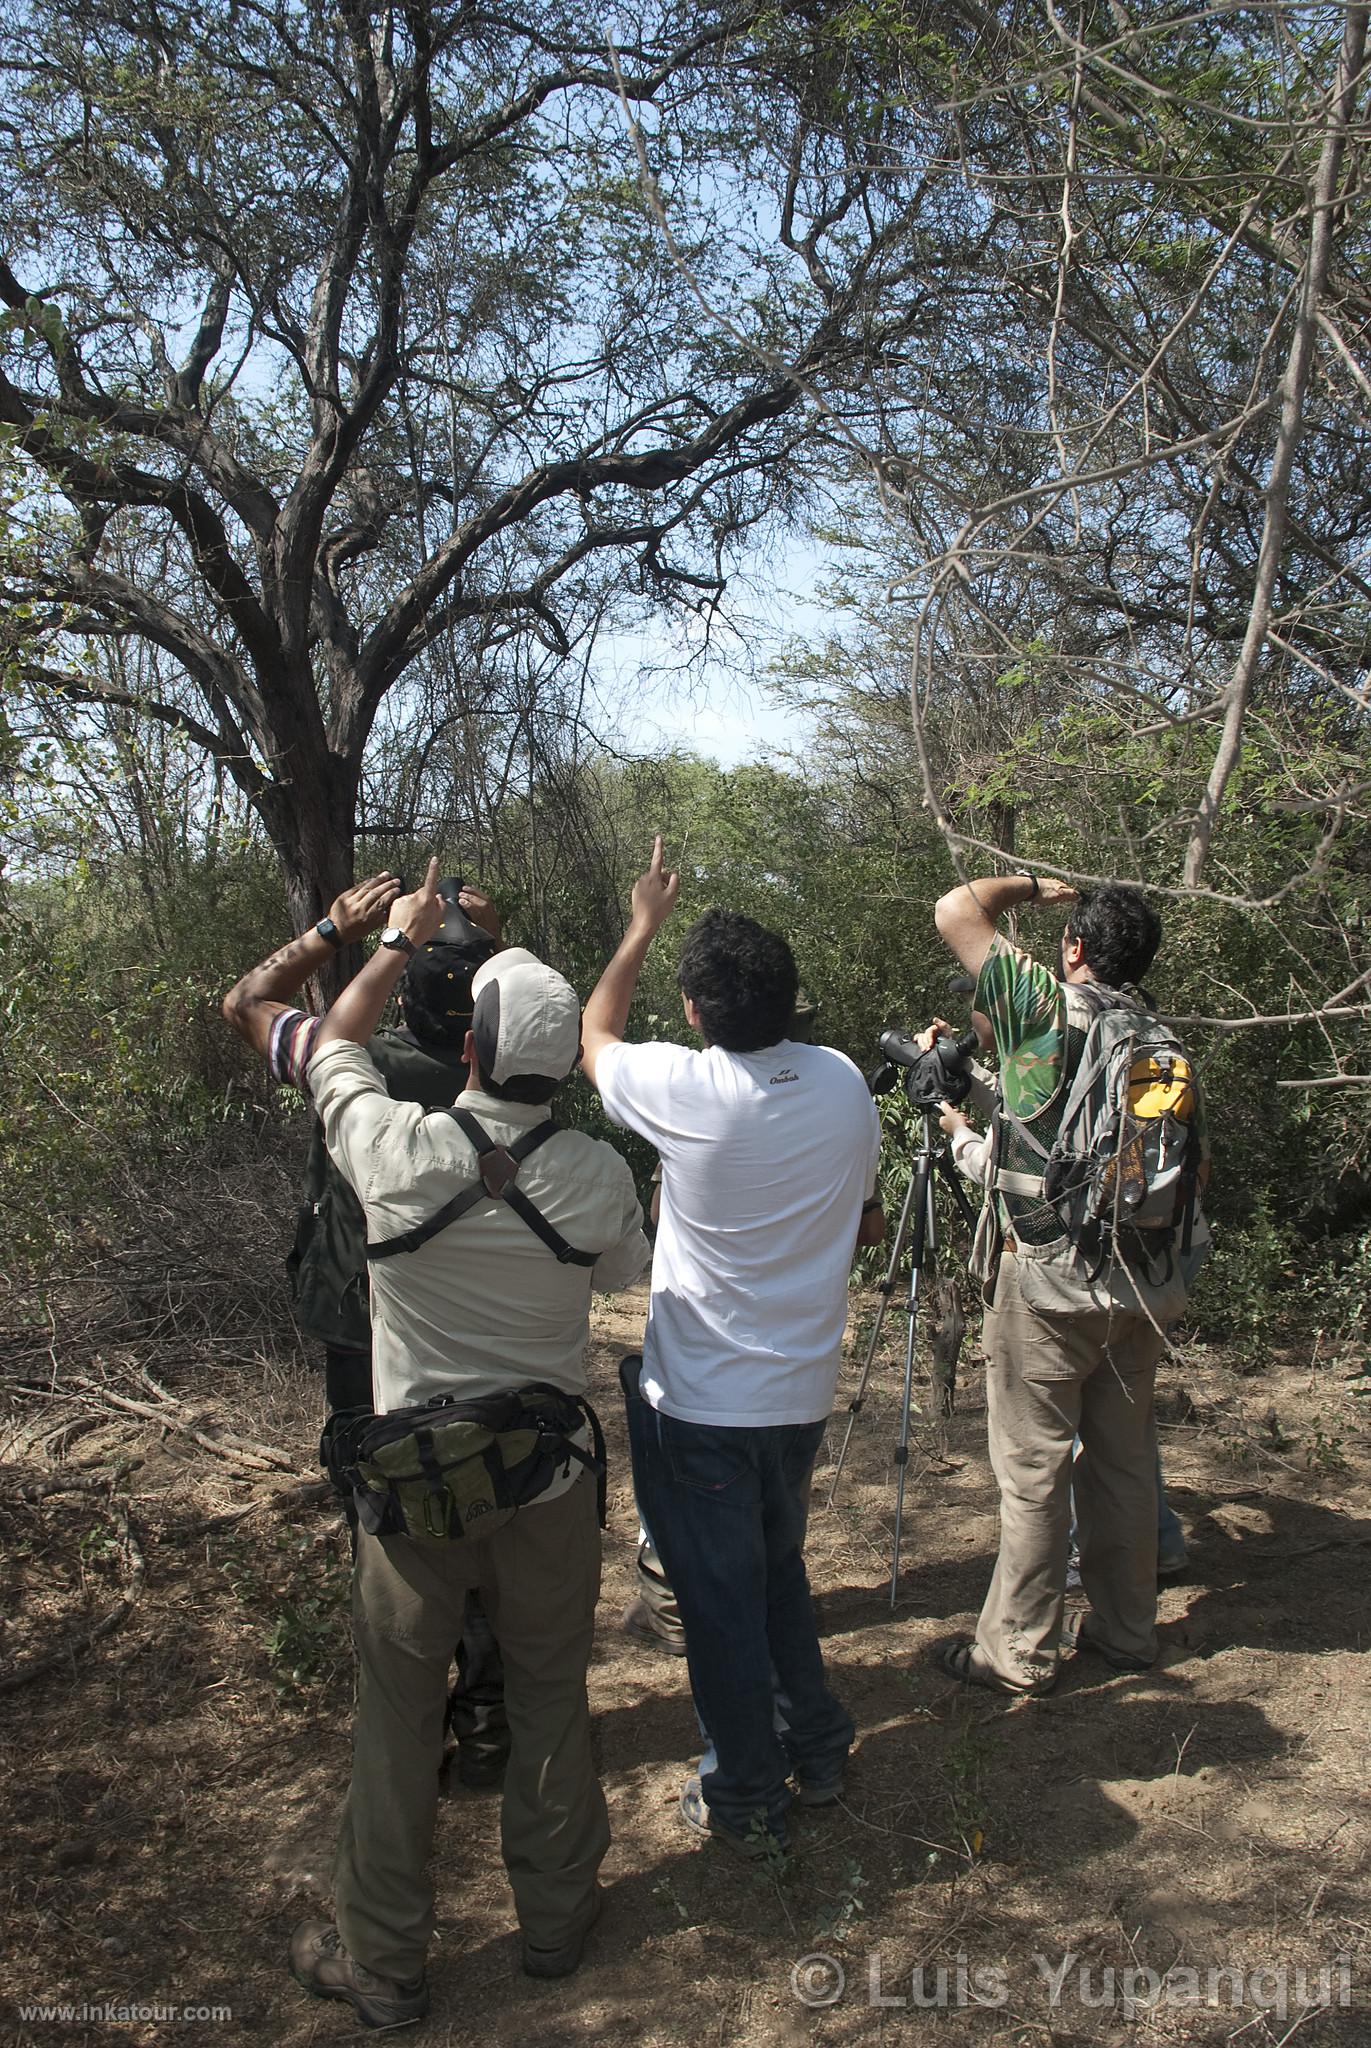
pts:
[768, 1151]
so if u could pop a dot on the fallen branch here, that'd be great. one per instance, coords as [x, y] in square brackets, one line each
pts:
[171, 1414]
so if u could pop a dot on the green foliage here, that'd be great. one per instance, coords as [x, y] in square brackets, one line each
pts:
[298, 1596]
[1335, 1285]
[1236, 1295]
[114, 1055]
[968, 1752]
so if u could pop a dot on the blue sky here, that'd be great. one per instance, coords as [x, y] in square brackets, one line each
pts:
[719, 705]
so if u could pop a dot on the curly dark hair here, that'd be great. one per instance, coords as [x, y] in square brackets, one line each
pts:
[741, 978]
[1119, 931]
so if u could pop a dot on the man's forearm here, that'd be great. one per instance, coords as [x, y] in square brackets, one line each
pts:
[359, 1009]
[871, 1228]
[605, 1017]
[253, 1004]
[253, 1001]
[966, 917]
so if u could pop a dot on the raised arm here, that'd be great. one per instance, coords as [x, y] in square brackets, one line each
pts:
[254, 1002]
[606, 1011]
[967, 916]
[358, 1010]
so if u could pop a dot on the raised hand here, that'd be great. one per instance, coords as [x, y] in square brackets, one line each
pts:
[655, 893]
[1051, 889]
[420, 913]
[481, 911]
[362, 908]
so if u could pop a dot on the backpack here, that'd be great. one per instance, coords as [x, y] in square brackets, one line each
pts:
[328, 1263]
[1122, 1174]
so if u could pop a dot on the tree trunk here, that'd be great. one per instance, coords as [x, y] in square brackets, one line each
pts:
[309, 822]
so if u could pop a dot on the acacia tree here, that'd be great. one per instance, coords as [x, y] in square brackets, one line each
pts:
[1118, 560]
[336, 335]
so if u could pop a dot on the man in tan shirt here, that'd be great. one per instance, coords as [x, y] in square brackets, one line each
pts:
[482, 1307]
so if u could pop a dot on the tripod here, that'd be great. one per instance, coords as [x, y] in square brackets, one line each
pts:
[933, 1154]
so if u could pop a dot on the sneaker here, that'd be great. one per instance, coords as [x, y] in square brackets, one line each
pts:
[759, 1844]
[639, 1621]
[1172, 1562]
[319, 1961]
[566, 1956]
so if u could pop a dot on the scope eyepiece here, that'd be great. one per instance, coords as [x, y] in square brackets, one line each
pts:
[931, 1077]
[457, 928]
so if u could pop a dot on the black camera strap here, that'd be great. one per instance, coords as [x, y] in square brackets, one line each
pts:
[498, 1167]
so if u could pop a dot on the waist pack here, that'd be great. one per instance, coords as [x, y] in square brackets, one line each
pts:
[451, 1469]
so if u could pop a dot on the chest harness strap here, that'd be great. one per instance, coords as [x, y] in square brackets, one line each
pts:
[498, 1166]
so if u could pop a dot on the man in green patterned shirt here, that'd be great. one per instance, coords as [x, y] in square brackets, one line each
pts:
[1057, 1363]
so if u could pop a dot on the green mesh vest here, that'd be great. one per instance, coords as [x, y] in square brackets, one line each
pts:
[328, 1265]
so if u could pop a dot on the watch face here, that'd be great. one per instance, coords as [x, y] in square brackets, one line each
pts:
[397, 940]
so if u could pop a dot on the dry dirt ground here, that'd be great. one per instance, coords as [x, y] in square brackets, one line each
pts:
[996, 1870]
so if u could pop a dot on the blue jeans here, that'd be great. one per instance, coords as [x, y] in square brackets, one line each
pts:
[726, 1508]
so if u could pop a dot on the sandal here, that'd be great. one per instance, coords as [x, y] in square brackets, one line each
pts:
[1078, 1637]
[956, 1659]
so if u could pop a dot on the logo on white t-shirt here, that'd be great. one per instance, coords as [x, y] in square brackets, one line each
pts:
[786, 1074]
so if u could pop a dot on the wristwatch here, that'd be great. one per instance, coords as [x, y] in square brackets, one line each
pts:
[327, 929]
[398, 941]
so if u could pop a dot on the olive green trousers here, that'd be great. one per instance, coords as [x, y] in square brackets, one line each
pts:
[539, 1578]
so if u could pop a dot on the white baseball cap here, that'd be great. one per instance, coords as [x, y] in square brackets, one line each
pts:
[526, 1018]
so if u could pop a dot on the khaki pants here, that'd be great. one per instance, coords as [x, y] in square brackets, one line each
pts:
[539, 1577]
[1048, 1377]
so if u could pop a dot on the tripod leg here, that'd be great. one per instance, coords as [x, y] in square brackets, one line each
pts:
[886, 1289]
[922, 1188]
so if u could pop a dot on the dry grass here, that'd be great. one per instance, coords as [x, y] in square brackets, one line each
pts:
[170, 1794]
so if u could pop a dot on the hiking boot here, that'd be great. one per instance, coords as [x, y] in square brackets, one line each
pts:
[1172, 1562]
[1077, 1638]
[819, 1791]
[639, 1621]
[759, 1844]
[566, 1956]
[319, 1961]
